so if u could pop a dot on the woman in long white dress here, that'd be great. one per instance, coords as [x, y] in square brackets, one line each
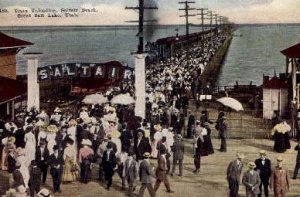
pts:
[156, 138]
[21, 157]
[71, 132]
[30, 146]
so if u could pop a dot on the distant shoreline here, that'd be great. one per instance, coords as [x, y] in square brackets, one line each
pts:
[128, 26]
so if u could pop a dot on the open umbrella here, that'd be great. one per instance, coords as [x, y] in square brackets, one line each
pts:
[123, 99]
[282, 127]
[232, 103]
[95, 99]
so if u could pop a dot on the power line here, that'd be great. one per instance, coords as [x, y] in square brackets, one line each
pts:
[187, 8]
[202, 14]
[141, 8]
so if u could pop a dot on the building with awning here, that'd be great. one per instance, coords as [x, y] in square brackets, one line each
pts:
[292, 73]
[11, 90]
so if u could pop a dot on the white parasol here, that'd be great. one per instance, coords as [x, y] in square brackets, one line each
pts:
[232, 103]
[123, 99]
[282, 127]
[95, 99]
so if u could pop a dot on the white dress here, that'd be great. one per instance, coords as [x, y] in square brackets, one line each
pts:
[24, 169]
[157, 137]
[29, 147]
[51, 142]
[72, 134]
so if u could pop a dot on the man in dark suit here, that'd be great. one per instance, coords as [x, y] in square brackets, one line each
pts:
[234, 171]
[109, 163]
[141, 145]
[35, 179]
[56, 162]
[146, 174]
[191, 124]
[42, 156]
[125, 138]
[263, 167]
[178, 153]
[297, 148]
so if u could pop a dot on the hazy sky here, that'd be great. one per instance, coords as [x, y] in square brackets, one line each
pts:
[111, 12]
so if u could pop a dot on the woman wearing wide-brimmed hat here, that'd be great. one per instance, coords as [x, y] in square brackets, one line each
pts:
[51, 135]
[30, 145]
[86, 156]
[71, 168]
[9, 145]
[156, 138]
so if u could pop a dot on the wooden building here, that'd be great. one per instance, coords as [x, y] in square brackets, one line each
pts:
[275, 97]
[12, 91]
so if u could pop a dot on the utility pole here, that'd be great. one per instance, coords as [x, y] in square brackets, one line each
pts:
[139, 59]
[202, 14]
[187, 15]
[141, 7]
[215, 16]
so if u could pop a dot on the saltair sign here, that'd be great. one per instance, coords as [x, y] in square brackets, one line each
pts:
[109, 70]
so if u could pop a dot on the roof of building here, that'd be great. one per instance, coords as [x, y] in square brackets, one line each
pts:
[275, 83]
[11, 42]
[10, 89]
[292, 52]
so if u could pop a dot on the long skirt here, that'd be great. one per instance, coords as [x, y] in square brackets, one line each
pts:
[70, 171]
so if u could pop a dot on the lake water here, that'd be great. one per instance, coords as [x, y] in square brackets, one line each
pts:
[256, 53]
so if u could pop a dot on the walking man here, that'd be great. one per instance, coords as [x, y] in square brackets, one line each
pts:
[146, 174]
[178, 152]
[161, 171]
[234, 171]
[109, 163]
[279, 181]
[198, 145]
[42, 155]
[263, 167]
[130, 172]
[252, 181]
[35, 179]
[297, 148]
[56, 162]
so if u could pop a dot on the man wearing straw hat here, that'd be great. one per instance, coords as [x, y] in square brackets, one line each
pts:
[146, 174]
[279, 181]
[263, 167]
[251, 180]
[234, 171]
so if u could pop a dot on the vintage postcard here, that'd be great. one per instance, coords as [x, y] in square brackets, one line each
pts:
[149, 98]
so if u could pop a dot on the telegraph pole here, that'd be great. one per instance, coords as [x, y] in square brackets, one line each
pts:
[202, 14]
[141, 7]
[187, 15]
[139, 59]
[215, 16]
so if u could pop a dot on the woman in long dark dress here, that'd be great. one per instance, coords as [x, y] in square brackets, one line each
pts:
[207, 139]
[279, 145]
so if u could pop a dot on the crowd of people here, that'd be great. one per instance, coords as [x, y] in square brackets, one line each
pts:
[108, 139]
[259, 177]
[111, 137]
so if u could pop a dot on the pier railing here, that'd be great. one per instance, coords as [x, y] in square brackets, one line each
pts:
[235, 88]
